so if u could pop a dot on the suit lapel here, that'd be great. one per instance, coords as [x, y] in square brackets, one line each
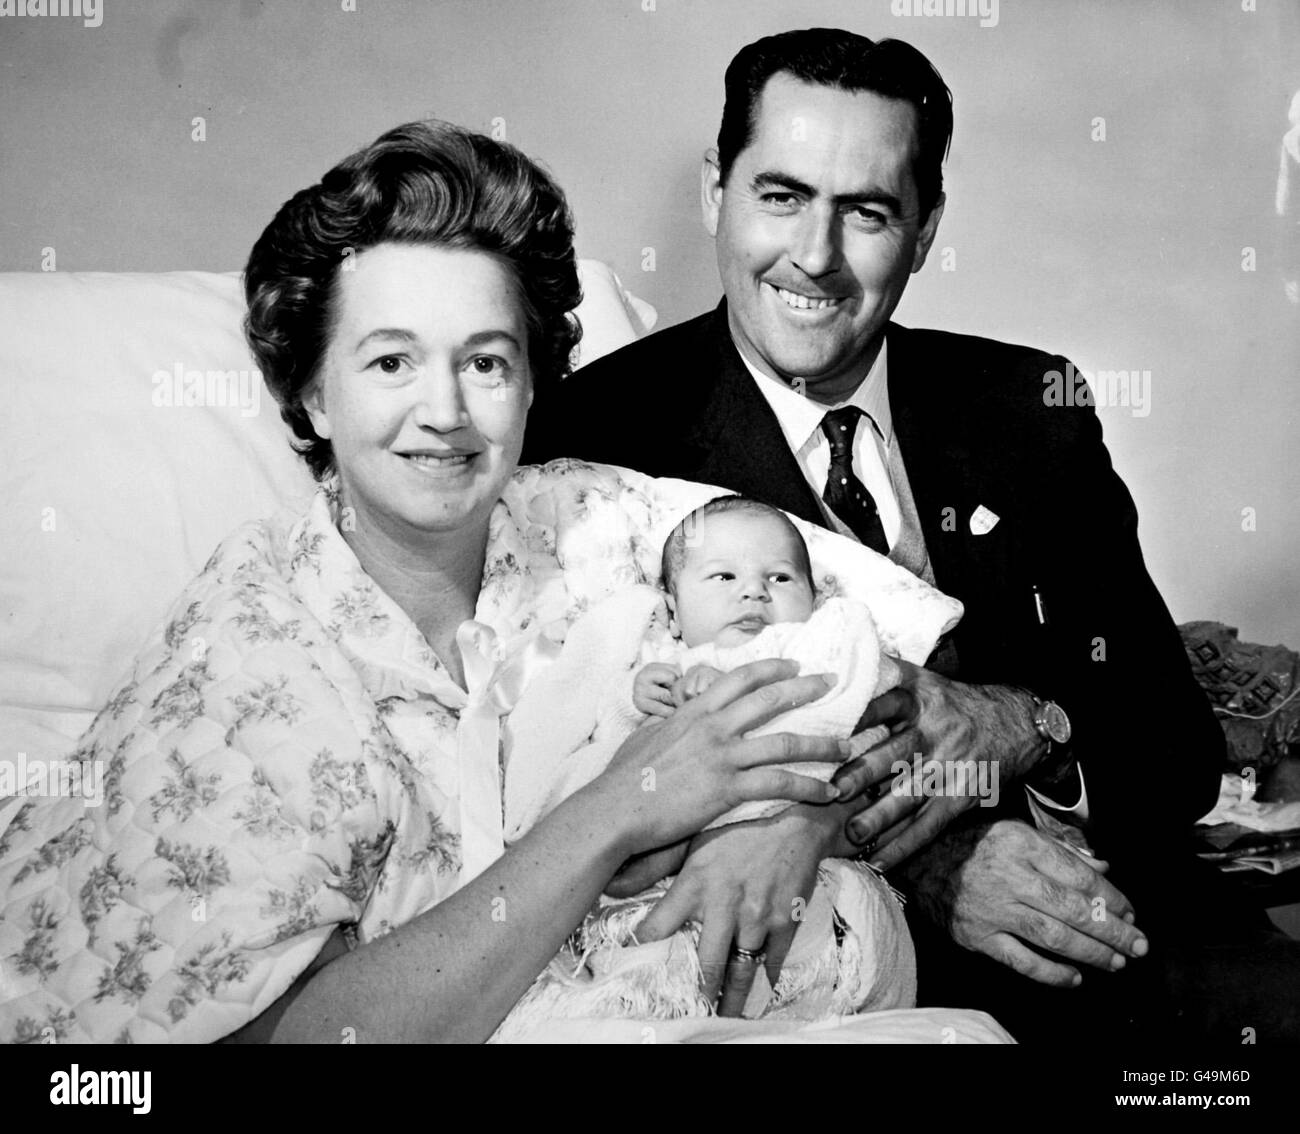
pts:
[921, 432]
[939, 437]
[741, 438]
[955, 465]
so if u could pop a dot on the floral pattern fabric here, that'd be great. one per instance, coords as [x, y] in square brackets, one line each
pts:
[290, 756]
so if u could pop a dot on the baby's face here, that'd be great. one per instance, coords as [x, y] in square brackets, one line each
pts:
[742, 571]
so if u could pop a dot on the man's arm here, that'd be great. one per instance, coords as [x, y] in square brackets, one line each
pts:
[1145, 737]
[1059, 603]
[1144, 733]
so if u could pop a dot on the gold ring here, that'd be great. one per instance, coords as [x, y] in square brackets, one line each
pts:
[753, 956]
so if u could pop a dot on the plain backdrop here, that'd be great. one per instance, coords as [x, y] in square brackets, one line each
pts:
[1113, 161]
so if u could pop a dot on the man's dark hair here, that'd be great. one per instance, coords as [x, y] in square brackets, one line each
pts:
[423, 183]
[834, 58]
[675, 545]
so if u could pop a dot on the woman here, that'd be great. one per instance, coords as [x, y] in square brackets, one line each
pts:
[312, 743]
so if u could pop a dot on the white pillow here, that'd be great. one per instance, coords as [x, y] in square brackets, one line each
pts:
[111, 497]
[609, 526]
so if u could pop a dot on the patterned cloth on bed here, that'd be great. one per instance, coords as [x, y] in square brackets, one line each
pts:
[289, 756]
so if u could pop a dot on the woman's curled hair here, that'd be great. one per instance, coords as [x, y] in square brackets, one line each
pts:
[421, 183]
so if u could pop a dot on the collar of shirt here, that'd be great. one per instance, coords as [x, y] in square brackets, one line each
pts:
[800, 417]
[384, 645]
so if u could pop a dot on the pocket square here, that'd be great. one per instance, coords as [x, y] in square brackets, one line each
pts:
[982, 521]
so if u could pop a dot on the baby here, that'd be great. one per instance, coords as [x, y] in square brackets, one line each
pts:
[738, 587]
[731, 569]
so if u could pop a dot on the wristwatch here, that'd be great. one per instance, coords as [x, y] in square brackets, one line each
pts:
[1054, 727]
[1052, 723]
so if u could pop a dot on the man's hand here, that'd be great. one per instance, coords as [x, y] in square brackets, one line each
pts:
[1011, 893]
[968, 741]
[652, 689]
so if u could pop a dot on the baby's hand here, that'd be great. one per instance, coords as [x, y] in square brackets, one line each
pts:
[694, 682]
[652, 689]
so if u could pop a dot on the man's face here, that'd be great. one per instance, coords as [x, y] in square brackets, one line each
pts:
[817, 231]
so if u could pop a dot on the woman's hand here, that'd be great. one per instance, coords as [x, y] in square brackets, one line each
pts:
[748, 885]
[673, 776]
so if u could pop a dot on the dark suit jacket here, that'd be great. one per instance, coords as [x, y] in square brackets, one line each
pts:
[970, 418]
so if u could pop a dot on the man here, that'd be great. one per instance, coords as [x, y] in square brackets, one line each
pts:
[824, 195]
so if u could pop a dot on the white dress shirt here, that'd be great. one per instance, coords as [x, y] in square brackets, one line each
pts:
[800, 419]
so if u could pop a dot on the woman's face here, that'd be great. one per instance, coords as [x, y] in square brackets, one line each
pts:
[424, 387]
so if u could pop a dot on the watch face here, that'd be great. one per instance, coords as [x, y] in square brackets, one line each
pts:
[1055, 722]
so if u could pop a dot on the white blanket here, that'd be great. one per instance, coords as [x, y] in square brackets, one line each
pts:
[572, 719]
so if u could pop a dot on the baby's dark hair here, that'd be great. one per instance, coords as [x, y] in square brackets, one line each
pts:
[675, 546]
